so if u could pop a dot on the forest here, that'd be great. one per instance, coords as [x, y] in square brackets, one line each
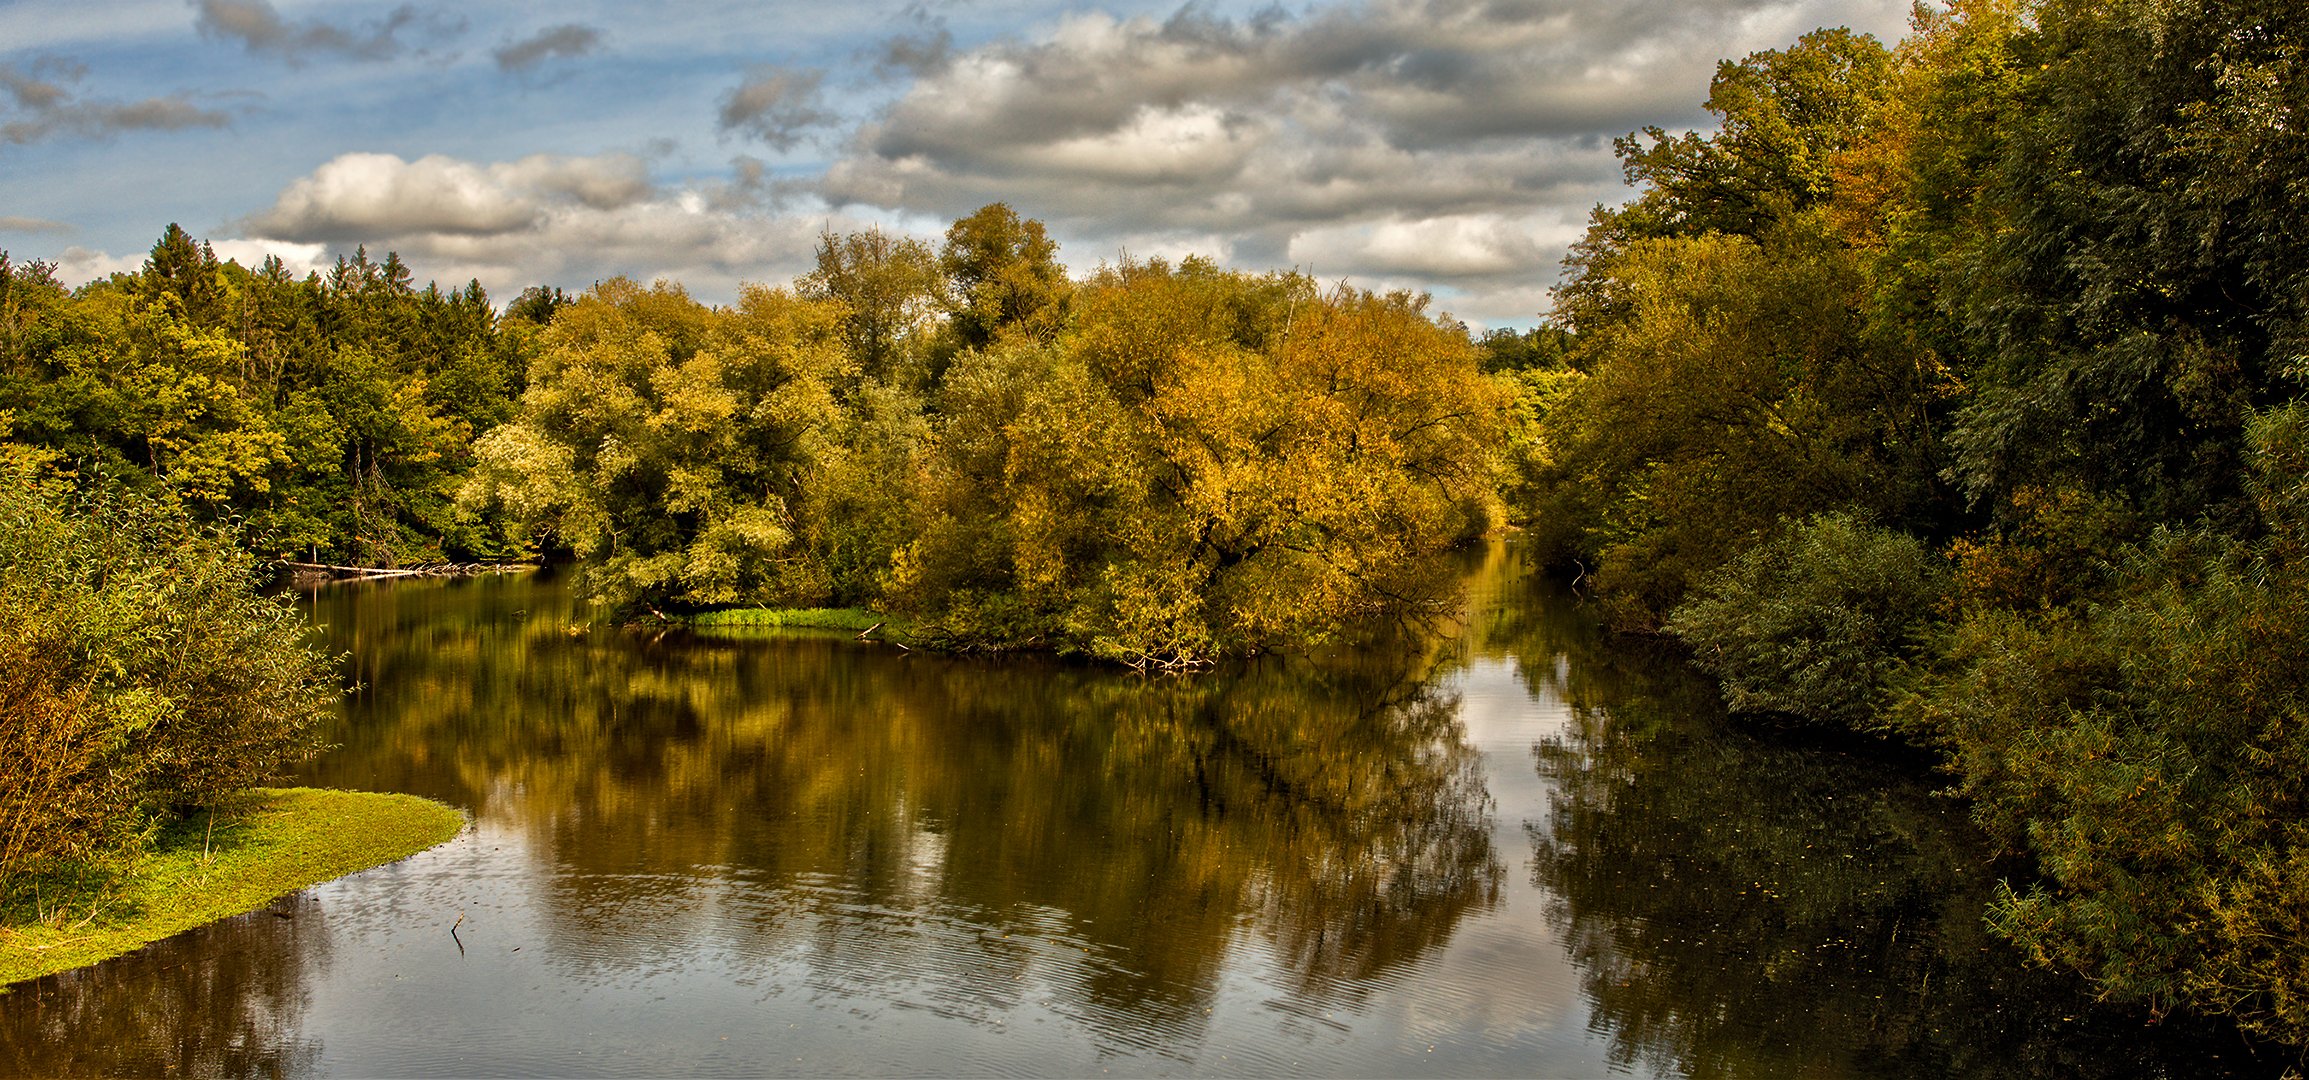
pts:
[1947, 394]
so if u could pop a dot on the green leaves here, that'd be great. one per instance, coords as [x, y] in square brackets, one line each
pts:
[668, 442]
[1819, 623]
[141, 673]
[1728, 386]
[2031, 286]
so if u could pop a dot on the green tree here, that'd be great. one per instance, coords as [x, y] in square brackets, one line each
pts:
[893, 289]
[1785, 119]
[332, 415]
[2129, 289]
[1820, 623]
[142, 673]
[1729, 386]
[669, 443]
[1002, 271]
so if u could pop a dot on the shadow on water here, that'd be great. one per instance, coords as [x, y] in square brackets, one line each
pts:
[1747, 903]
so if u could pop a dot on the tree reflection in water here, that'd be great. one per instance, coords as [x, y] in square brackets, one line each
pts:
[908, 817]
[1743, 904]
[764, 836]
[224, 1000]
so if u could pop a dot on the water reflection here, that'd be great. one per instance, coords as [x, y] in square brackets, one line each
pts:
[225, 1000]
[1746, 906]
[806, 856]
[877, 805]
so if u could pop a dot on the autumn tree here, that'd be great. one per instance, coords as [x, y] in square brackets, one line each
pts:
[892, 290]
[1002, 271]
[1203, 463]
[669, 442]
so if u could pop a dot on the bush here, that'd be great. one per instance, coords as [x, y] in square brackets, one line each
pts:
[2151, 750]
[1816, 622]
[140, 673]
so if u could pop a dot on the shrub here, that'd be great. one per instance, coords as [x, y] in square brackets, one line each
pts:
[140, 673]
[1816, 622]
[2151, 750]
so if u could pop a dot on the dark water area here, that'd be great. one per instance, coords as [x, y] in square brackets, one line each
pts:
[1510, 847]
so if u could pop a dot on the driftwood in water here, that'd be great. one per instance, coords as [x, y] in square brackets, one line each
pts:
[363, 573]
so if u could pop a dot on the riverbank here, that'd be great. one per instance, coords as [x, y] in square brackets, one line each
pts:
[858, 621]
[278, 841]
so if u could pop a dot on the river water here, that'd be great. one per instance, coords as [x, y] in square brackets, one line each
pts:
[1505, 846]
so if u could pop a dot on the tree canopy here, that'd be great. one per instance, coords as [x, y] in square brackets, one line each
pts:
[1951, 391]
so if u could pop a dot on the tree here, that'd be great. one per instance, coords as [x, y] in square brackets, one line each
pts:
[1203, 463]
[1785, 118]
[1821, 623]
[1729, 386]
[669, 443]
[2129, 288]
[892, 288]
[1003, 272]
[142, 673]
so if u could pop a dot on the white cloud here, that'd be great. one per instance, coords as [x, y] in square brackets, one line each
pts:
[78, 265]
[297, 259]
[1455, 144]
[544, 219]
[360, 195]
[1452, 246]
[1155, 146]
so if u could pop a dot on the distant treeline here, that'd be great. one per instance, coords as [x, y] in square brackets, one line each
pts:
[1153, 464]
[333, 414]
[1953, 391]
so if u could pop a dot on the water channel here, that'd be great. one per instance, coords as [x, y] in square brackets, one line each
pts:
[1511, 847]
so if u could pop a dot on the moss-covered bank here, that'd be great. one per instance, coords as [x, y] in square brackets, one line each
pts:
[272, 842]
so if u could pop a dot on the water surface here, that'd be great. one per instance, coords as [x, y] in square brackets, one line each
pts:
[1505, 847]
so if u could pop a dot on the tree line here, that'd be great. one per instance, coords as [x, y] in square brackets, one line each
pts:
[1952, 392]
[1152, 463]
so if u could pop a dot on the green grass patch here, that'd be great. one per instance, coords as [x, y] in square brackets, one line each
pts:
[853, 620]
[273, 841]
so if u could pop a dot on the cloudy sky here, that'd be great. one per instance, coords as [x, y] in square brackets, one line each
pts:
[1454, 146]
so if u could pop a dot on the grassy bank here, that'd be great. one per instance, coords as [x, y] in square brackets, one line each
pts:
[853, 620]
[277, 841]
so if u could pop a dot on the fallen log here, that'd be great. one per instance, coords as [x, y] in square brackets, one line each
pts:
[336, 572]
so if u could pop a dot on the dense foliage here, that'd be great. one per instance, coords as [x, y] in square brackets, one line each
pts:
[1155, 465]
[2027, 292]
[140, 674]
[1951, 391]
[1202, 462]
[332, 414]
[665, 441]
[1151, 465]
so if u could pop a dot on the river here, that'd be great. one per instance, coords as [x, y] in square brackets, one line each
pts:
[1501, 846]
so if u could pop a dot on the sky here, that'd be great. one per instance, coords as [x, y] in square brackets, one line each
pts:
[1454, 147]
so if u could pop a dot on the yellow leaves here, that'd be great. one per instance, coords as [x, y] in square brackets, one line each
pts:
[1037, 545]
[532, 473]
[685, 431]
[1205, 462]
